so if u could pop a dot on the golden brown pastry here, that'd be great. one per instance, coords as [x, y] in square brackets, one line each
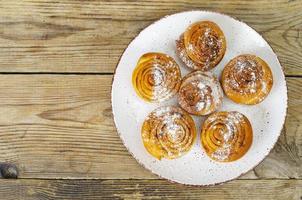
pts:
[226, 136]
[168, 132]
[200, 93]
[156, 77]
[201, 46]
[247, 79]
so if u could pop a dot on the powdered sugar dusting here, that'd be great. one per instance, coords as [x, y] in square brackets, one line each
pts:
[157, 76]
[223, 152]
[162, 110]
[229, 133]
[200, 106]
[264, 86]
[242, 64]
[245, 76]
[213, 84]
[190, 47]
[184, 57]
[173, 131]
[201, 85]
[210, 44]
[181, 51]
[165, 78]
[208, 91]
[207, 32]
[169, 120]
[169, 117]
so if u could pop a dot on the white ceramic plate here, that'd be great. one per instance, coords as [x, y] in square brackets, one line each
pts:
[196, 168]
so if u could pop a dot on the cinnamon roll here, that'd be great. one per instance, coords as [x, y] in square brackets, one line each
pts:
[200, 93]
[156, 77]
[247, 79]
[168, 132]
[226, 136]
[201, 46]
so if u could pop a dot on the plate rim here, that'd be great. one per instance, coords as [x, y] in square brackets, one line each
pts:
[142, 164]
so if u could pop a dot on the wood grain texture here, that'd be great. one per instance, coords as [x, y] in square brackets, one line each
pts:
[58, 126]
[148, 189]
[61, 127]
[90, 35]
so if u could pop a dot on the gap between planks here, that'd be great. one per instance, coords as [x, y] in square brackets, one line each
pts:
[141, 179]
[86, 73]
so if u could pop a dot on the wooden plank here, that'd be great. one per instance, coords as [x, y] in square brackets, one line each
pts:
[90, 36]
[148, 189]
[56, 126]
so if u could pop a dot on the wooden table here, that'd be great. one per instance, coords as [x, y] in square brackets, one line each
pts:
[56, 64]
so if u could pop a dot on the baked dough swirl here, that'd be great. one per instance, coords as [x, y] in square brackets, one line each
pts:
[168, 132]
[247, 79]
[156, 77]
[201, 46]
[200, 93]
[226, 136]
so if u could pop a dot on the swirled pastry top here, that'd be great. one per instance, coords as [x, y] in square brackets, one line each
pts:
[200, 93]
[201, 46]
[156, 77]
[226, 136]
[247, 79]
[168, 132]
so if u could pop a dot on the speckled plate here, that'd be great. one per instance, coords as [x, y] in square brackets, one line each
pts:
[196, 168]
